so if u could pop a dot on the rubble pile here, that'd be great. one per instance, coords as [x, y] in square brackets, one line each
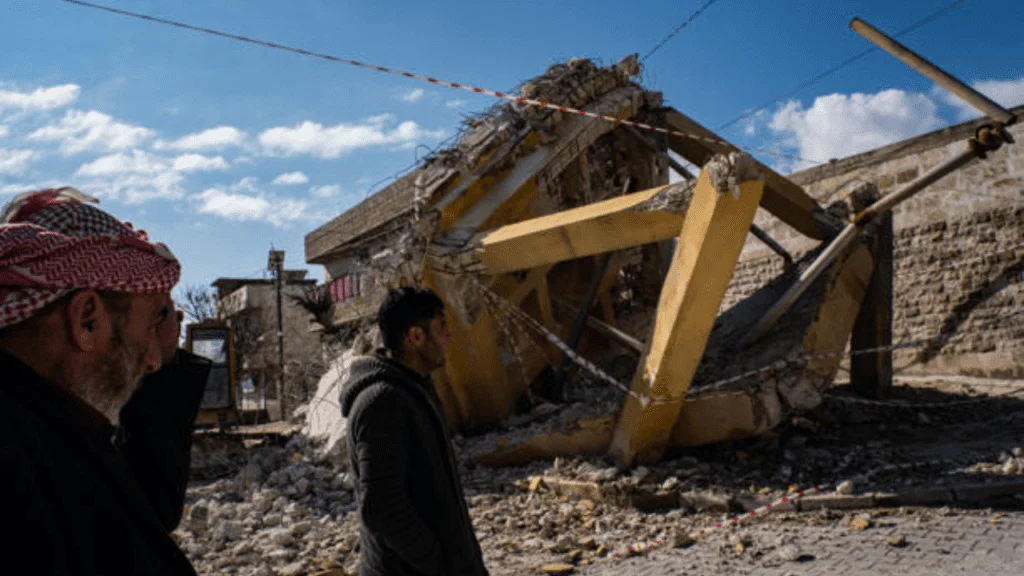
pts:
[290, 510]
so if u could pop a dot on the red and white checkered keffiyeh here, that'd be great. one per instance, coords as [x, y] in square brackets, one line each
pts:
[54, 241]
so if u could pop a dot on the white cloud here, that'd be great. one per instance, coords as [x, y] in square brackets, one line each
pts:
[15, 161]
[217, 138]
[141, 176]
[138, 162]
[457, 103]
[839, 125]
[199, 163]
[332, 141]
[80, 131]
[243, 202]
[137, 188]
[414, 95]
[291, 178]
[1008, 93]
[4, 130]
[40, 98]
[327, 191]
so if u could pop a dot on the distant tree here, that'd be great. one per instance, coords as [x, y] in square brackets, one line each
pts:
[317, 302]
[199, 303]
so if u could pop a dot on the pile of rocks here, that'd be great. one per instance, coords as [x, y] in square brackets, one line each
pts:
[287, 511]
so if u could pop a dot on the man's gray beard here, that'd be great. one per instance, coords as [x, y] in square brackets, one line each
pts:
[112, 385]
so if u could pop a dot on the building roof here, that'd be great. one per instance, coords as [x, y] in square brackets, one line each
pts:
[226, 286]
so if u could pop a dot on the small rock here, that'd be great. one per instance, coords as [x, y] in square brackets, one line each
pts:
[293, 569]
[282, 537]
[845, 488]
[788, 553]
[641, 473]
[535, 483]
[282, 554]
[897, 541]
[860, 522]
[301, 528]
[681, 538]
[670, 484]
[558, 569]
[1018, 452]
[563, 544]
[1010, 467]
[263, 571]
[587, 543]
[574, 556]
[231, 530]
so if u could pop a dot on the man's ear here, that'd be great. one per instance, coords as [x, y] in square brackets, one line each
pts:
[416, 336]
[85, 314]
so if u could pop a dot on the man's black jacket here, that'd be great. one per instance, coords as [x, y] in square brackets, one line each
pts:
[81, 506]
[157, 424]
[412, 513]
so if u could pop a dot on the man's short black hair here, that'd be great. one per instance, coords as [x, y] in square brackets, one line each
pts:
[404, 308]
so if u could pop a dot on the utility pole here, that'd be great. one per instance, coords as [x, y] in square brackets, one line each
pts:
[276, 265]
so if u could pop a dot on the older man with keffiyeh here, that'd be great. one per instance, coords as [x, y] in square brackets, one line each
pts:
[96, 402]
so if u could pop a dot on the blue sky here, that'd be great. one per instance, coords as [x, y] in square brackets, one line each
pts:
[221, 149]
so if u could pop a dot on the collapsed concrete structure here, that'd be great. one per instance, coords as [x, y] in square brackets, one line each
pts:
[544, 231]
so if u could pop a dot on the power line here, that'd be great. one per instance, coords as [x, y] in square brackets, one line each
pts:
[835, 68]
[679, 29]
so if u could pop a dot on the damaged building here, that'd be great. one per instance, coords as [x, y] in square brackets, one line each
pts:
[249, 306]
[545, 231]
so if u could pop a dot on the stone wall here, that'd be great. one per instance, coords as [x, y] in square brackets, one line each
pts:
[959, 252]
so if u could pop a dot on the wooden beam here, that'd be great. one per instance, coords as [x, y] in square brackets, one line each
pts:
[871, 374]
[784, 199]
[707, 250]
[585, 231]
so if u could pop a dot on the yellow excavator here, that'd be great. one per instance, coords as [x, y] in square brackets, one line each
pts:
[214, 340]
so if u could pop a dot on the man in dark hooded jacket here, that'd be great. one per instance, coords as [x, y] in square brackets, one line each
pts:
[413, 518]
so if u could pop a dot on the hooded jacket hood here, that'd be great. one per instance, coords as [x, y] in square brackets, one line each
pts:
[365, 371]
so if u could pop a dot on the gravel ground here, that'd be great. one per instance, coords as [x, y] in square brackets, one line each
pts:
[290, 511]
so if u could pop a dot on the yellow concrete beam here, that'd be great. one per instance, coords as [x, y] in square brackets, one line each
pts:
[592, 229]
[709, 245]
[588, 437]
[827, 336]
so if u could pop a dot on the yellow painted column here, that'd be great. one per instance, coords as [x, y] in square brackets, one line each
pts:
[713, 233]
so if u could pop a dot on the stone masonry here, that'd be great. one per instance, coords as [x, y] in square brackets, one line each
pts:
[959, 251]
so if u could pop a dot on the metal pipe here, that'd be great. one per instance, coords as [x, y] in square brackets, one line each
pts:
[933, 72]
[771, 243]
[849, 234]
[604, 328]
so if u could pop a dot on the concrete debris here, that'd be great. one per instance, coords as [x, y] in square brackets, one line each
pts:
[728, 171]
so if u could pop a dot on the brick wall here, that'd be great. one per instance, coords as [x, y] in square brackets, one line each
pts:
[959, 252]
